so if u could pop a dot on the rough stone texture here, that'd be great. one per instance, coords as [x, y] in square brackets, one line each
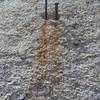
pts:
[78, 77]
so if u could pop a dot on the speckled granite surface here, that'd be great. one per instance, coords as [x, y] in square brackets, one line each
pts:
[78, 73]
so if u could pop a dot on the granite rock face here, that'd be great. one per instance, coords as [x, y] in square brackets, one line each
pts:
[77, 76]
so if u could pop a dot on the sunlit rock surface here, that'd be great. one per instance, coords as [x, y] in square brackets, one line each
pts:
[78, 74]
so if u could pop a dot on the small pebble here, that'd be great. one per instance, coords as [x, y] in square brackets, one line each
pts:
[22, 97]
[76, 43]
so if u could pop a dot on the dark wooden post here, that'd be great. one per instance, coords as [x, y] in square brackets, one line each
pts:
[46, 16]
[56, 11]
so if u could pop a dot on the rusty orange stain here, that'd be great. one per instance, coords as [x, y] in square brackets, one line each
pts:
[48, 46]
[43, 34]
[41, 57]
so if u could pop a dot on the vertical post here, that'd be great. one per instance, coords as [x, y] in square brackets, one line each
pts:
[56, 11]
[46, 17]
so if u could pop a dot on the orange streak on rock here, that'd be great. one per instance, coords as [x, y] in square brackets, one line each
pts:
[43, 34]
[42, 41]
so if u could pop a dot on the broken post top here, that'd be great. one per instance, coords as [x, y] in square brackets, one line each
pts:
[56, 3]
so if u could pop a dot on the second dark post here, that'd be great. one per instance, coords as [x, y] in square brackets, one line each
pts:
[56, 11]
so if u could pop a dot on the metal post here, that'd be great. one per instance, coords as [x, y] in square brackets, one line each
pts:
[46, 17]
[56, 11]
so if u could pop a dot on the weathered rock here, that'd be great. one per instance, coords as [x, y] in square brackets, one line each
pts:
[77, 75]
